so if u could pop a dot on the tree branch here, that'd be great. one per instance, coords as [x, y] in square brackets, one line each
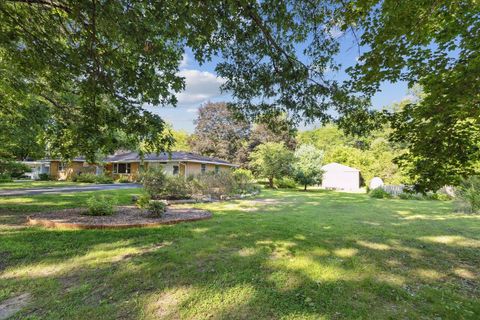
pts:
[51, 4]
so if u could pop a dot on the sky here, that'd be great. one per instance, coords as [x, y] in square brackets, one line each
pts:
[203, 85]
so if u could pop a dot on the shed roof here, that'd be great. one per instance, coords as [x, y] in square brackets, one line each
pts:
[338, 167]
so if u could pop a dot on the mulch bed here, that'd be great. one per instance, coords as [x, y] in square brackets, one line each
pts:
[124, 217]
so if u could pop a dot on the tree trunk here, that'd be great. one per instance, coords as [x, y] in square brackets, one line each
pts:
[305, 189]
[270, 182]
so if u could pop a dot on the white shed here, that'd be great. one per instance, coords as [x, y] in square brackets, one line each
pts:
[340, 177]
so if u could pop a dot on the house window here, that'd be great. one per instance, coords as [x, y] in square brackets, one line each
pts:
[217, 168]
[62, 166]
[121, 168]
[204, 167]
[175, 170]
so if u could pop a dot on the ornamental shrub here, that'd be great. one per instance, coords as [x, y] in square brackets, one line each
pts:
[103, 179]
[176, 188]
[143, 200]
[156, 208]
[13, 169]
[123, 179]
[379, 193]
[5, 178]
[153, 181]
[285, 183]
[85, 178]
[467, 195]
[243, 180]
[102, 205]
[44, 177]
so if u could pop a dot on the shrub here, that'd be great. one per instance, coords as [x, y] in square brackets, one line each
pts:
[123, 179]
[285, 183]
[85, 178]
[176, 188]
[5, 177]
[410, 196]
[44, 177]
[103, 179]
[156, 208]
[467, 195]
[213, 184]
[379, 193]
[143, 200]
[153, 181]
[13, 169]
[101, 205]
[243, 179]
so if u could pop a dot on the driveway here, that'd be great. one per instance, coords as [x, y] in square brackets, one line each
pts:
[53, 190]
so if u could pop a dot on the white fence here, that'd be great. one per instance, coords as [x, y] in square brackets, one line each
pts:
[394, 190]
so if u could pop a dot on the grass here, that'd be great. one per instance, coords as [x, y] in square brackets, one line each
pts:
[287, 255]
[38, 184]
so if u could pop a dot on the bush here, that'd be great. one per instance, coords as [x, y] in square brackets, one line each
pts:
[467, 195]
[85, 178]
[123, 179]
[243, 179]
[153, 181]
[213, 184]
[143, 200]
[379, 193]
[5, 177]
[103, 179]
[44, 177]
[156, 208]
[13, 169]
[176, 188]
[285, 183]
[410, 196]
[101, 205]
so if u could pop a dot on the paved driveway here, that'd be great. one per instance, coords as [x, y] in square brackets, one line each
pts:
[53, 190]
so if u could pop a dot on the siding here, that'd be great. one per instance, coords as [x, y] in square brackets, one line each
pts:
[73, 168]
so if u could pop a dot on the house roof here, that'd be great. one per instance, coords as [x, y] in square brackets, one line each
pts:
[132, 156]
[338, 167]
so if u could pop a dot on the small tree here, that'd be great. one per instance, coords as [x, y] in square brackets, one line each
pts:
[272, 161]
[307, 166]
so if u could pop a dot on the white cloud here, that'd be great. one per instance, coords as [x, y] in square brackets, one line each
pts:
[200, 86]
[192, 110]
[184, 62]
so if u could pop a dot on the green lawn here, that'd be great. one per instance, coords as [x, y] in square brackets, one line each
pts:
[36, 184]
[287, 255]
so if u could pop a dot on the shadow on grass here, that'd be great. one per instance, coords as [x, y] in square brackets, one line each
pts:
[303, 255]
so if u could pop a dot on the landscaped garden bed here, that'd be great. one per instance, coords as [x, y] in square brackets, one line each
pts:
[124, 217]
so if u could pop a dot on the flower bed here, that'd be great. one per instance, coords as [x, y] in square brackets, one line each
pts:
[124, 217]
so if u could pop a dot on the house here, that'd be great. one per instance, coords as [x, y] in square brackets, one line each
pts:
[340, 177]
[129, 164]
[37, 168]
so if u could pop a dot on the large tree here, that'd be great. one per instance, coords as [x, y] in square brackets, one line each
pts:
[22, 133]
[272, 160]
[218, 133]
[434, 44]
[98, 62]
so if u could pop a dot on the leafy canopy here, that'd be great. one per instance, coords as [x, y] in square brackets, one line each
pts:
[307, 165]
[272, 160]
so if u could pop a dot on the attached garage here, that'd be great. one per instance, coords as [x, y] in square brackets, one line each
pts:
[340, 177]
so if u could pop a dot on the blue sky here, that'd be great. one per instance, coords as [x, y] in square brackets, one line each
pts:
[202, 85]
